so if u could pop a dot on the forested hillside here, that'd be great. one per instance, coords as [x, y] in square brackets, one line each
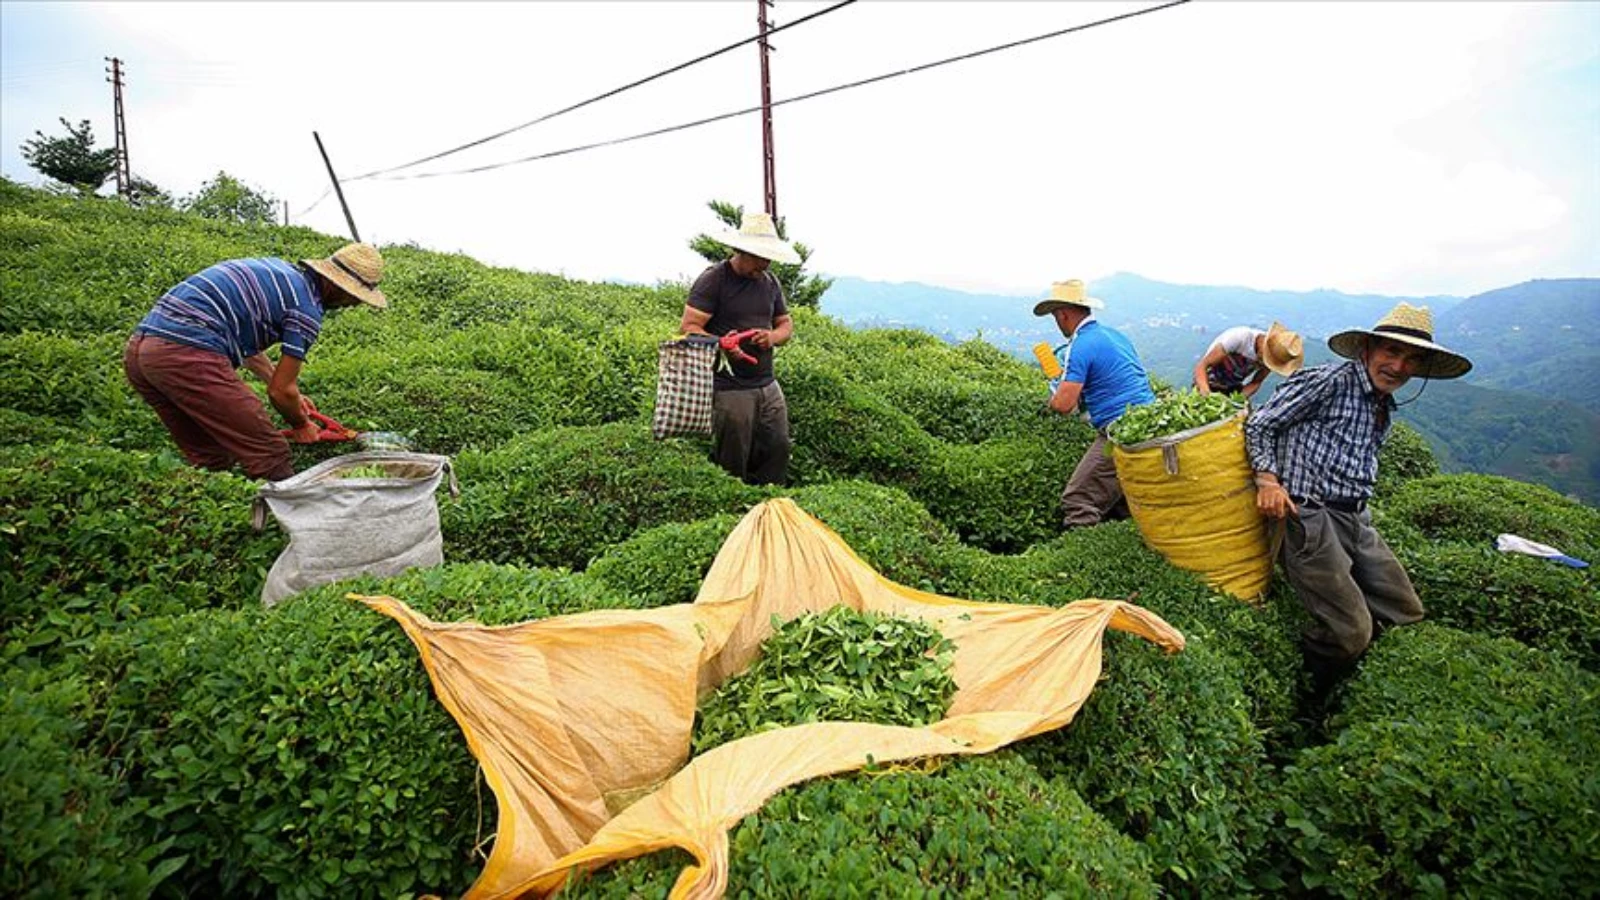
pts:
[162, 733]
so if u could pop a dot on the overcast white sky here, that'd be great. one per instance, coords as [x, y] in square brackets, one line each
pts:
[1404, 148]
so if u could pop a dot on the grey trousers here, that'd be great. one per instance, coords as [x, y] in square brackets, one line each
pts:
[750, 434]
[1093, 493]
[1348, 580]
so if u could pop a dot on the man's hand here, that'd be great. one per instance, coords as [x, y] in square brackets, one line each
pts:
[305, 434]
[1271, 498]
[762, 337]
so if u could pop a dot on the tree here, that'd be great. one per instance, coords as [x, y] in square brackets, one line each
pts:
[71, 160]
[799, 288]
[227, 198]
[146, 194]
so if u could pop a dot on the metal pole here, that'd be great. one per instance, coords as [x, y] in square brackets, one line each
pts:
[124, 172]
[337, 190]
[769, 163]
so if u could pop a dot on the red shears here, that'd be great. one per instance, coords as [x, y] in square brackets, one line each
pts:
[730, 344]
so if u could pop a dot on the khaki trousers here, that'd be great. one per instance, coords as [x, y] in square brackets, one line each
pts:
[1348, 580]
[1093, 493]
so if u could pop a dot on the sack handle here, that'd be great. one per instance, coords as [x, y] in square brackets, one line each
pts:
[455, 487]
[258, 514]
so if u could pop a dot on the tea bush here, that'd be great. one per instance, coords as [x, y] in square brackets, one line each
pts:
[94, 537]
[1165, 750]
[299, 751]
[1475, 508]
[972, 827]
[1465, 766]
[1537, 602]
[665, 564]
[19, 428]
[559, 497]
[1405, 457]
[77, 379]
[842, 430]
[1001, 495]
[64, 835]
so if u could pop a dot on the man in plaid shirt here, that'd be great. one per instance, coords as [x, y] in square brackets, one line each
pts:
[1314, 448]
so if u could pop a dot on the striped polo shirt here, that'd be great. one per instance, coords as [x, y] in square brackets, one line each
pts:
[239, 308]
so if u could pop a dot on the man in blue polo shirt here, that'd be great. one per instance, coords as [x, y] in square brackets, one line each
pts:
[184, 355]
[1103, 371]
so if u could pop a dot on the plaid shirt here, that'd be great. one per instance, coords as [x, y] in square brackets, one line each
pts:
[1320, 433]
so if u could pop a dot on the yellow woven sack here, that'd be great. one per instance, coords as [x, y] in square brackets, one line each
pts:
[1193, 496]
[582, 723]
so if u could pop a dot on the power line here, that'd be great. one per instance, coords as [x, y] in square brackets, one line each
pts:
[611, 93]
[809, 96]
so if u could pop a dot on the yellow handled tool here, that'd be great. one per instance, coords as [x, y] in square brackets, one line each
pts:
[1047, 360]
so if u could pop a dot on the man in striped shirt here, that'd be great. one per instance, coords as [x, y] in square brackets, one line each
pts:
[184, 355]
[1314, 448]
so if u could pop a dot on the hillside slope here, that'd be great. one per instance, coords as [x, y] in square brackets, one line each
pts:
[165, 734]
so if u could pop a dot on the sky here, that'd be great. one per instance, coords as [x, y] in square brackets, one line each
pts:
[1369, 147]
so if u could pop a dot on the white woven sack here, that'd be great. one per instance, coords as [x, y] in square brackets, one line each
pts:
[342, 527]
[683, 387]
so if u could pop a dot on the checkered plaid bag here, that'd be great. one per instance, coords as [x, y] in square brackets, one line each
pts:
[683, 388]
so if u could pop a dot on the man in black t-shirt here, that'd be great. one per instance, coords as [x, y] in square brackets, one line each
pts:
[749, 417]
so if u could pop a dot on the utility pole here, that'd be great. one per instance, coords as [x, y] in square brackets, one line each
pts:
[769, 163]
[124, 174]
[349, 219]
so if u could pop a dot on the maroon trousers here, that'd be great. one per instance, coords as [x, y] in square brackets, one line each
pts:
[214, 418]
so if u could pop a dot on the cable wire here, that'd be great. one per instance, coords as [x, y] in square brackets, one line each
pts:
[611, 93]
[808, 96]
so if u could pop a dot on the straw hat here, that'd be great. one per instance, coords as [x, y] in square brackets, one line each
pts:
[1409, 325]
[1283, 351]
[757, 236]
[355, 269]
[1066, 293]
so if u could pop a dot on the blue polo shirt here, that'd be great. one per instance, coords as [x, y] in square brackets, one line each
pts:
[239, 308]
[1113, 379]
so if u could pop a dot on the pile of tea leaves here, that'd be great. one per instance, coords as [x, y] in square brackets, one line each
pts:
[834, 666]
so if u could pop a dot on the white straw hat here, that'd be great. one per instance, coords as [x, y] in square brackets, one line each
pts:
[1066, 293]
[1409, 325]
[757, 236]
[355, 269]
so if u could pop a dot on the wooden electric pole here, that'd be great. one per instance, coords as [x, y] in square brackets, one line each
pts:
[349, 219]
[124, 173]
[769, 163]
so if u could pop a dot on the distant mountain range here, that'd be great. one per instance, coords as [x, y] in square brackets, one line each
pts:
[1530, 408]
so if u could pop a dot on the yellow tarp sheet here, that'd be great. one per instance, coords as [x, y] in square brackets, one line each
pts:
[573, 717]
[1193, 496]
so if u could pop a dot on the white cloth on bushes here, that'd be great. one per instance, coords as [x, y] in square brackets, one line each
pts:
[1511, 543]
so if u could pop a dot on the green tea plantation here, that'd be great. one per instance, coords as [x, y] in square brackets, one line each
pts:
[163, 734]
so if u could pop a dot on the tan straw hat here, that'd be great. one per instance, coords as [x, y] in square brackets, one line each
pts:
[1066, 293]
[1283, 351]
[1409, 325]
[757, 236]
[355, 269]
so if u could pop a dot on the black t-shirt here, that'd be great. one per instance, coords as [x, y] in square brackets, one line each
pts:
[735, 304]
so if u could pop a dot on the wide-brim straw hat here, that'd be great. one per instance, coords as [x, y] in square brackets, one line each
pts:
[758, 236]
[1409, 325]
[1066, 293]
[355, 269]
[1283, 351]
